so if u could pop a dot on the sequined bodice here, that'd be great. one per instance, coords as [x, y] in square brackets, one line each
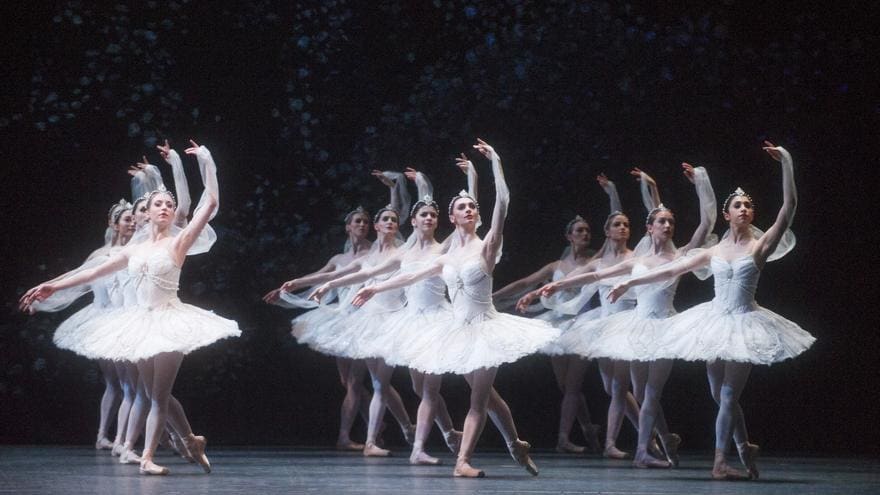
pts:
[470, 289]
[154, 278]
[655, 300]
[735, 284]
[425, 293]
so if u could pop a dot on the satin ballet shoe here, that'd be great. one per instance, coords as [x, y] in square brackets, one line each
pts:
[371, 450]
[149, 467]
[567, 447]
[463, 469]
[671, 443]
[409, 434]
[591, 435]
[654, 448]
[116, 450]
[727, 473]
[420, 458]
[128, 456]
[612, 452]
[519, 450]
[748, 454]
[103, 443]
[350, 445]
[646, 461]
[453, 440]
[196, 447]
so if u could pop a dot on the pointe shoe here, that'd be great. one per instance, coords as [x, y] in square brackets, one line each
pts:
[648, 462]
[420, 458]
[612, 452]
[116, 450]
[519, 450]
[463, 469]
[748, 454]
[567, 447]
[409, 434]
[453, 440]
[654, 448]
[350, 445]
[128, 456]
[103, 443]
[196, 447]
[671, 443]
[727, 473]
[371, 450]
[149, 467]
[591, 435]
[178, 446]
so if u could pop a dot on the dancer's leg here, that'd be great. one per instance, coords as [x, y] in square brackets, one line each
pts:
[350, 404]
[573, 402]
[616, 381]
[480, 382]
[735, 376]
[655, 374]
[128, 384]
[109, 401]
[380, 374]
[429, 391]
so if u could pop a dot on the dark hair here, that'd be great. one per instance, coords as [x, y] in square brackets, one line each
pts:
[611, 216]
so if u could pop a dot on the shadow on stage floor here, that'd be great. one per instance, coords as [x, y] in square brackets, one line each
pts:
[74, 470]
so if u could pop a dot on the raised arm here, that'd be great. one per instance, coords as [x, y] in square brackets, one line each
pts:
[493, 239]
[648, 187]
[515, 288]
[396, 282]
[768, 242]
[663, 272]
[207, 206]
[611, 190]
[708, 206]
[362, 275]
[466, 166]
[181, 186]
[400, 199]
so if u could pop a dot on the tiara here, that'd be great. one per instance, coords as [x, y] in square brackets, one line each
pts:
[425, 201]
[356, 211]
[655, 211]
[737, 192]
[383, 210]
[161, 190]
[462, 194]
[576, 219]
[117, 209]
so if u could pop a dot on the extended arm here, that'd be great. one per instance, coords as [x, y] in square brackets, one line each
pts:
[768, 242]
[577, 280]
[362, 275]
[492, 242]
[708, 206]
[525, 283]
[663, 272]
[42, 291]
[648, 187]
[207, 207]
[396, 282]
[181, 186]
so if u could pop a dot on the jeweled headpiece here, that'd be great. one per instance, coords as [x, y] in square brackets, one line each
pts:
[570, 224]
[383, 210]
[161, 190]
[356, 211]
[737, 192]
[462, 194]
[427, 200]
[655, 211]
[117, 209]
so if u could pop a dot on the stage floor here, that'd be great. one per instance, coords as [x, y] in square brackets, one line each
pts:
[74, 470]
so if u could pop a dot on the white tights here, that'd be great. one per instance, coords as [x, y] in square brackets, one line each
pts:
[111, 398]
[384, 395]
[569, 372]
[727, 379]
[159, 373]
[128, 380]
[616, 383]
[485, 399]
[648, 379]
[351, 375]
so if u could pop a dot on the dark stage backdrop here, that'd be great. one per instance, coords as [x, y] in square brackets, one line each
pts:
[298, 101]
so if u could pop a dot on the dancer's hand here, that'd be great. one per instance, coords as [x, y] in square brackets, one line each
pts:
[462, 162]
[410, 173]
[525, 301]
[318, 293]
[138, 167]
[618, 291]
[773, 151]
[549, 289]
[484, 148]
[689, 172]
[164, 150]
[637, 173]
[195, 149]
[602, 179]
[384, 180]
[38, 293]
[363, 295]
[272, 296]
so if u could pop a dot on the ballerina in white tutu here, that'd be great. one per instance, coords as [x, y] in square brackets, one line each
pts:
[568, 367]
[731, 333]
[631, 336]
[479, 338]
[160, 330]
